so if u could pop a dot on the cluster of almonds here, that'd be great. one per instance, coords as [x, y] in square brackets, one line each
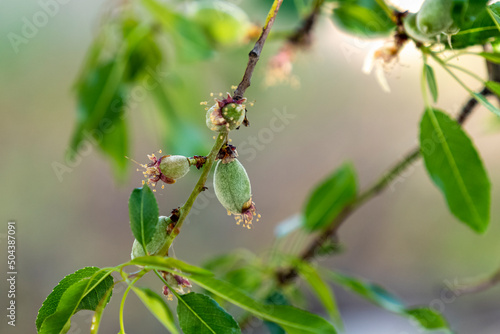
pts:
[231, 182]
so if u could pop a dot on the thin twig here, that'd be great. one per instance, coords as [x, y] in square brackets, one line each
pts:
[287, 275]
[222, 137]
[490, 282]
[254, 55]
[302, 35]
[184, 210]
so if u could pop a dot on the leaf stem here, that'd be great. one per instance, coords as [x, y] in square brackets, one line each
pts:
[125, 294]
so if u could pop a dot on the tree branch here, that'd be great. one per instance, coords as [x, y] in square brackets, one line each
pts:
[254, 55]
[302, 35]
[490, 282]
[287, 275]
[222, 137]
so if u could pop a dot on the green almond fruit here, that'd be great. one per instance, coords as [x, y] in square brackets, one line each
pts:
[411, 29]
[174, 166]
[434, 17]
[233, 190]
[227, 118]
[154, 247]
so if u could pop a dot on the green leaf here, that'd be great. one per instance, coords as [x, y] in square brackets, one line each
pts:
[168, 263]
[364, 18]
[82, 290]
[481, 99]
[372, 292]
[248, 278]
[464, 11]
[290, 318]
[322, 291]
[189, 39]
[477, 26]
[493, 57]
[96, 319]
[456, 168]
[146, 54]
[101, 95]
[428, 318]
[101, 103]
[431, 81]
[115, 145]
[330, 197]
[275, 298]
[143, 213]
[226, 262]
[494, 11]
[158, 308]
[493, 86]
[200, 314]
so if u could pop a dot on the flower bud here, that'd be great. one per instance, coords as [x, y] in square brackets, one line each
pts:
[156, 243]
[226, 114]
[233, 190]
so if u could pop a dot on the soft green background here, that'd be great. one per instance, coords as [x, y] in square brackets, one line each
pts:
[405, 239]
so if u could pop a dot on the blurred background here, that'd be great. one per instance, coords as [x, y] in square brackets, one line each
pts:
[405, 239]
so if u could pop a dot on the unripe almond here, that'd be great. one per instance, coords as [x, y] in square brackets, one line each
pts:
[175, 166]
[410, 26]
[233, 190]
[226, 115]
[167, 168]
[156, 243]
[434, 17]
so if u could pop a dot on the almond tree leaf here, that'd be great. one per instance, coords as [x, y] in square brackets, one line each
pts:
[158, 308]
[168, 264]
[292, 319]
[322, 291]
[456, 168]
[143, 214]
[431, 81]
[330, 197]
[200, 314]
[82, 290]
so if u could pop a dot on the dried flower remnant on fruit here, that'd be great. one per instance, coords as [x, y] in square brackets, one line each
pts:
[226, 114]
[227, 154]
[167, 168]
[178, 283]
[233, 190]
